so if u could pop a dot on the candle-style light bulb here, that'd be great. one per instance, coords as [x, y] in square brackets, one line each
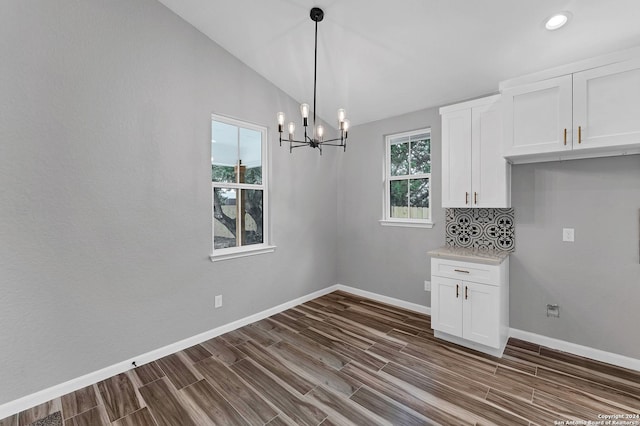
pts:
[342, 114]
[319, 131]
[280, 116]
[345, 127]
[292, 128]
[304, 110]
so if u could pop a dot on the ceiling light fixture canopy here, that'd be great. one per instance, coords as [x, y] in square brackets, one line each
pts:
[317, 140]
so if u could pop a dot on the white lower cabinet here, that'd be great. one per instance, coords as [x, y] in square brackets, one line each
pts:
[469, 304]
[480, 319]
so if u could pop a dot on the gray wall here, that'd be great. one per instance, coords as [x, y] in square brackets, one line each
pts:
[596, 279]
[391, 261]
[105, 194]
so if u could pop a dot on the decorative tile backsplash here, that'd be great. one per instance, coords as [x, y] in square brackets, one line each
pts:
[481, 228]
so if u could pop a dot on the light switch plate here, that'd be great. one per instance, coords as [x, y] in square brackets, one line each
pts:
[568, 234]
[427, 286]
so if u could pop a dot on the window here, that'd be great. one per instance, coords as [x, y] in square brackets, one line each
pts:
[239, 188]
[408, 179]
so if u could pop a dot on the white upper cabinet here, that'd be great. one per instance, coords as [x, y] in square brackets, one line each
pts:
[537, 117]
[456, 158]
[606, 106]
[491, 177]
[474, 172]
[590, 113]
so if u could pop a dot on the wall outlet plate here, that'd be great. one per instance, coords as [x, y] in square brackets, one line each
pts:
[218, 301]
[427, 286]
[553, 310]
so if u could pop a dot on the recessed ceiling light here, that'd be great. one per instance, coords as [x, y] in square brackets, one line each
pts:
[556, 21]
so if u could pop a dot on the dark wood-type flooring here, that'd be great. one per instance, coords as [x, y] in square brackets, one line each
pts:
[340, 360]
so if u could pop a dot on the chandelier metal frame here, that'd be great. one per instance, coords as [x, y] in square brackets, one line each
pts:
[317, 139]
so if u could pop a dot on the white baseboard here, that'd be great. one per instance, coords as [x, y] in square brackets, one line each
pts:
[40, 397]
[575, 349]
[497, 352]
[384, 299]
[13, 407]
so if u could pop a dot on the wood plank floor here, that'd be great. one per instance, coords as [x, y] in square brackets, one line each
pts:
[342, 360]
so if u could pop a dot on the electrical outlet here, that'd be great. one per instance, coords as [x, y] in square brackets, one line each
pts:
[218, 301]
[553, 310]
[427, 286]
[568, 234]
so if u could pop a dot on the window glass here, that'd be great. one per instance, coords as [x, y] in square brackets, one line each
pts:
[224, 152]
[238, 184]
[408, 176]
[399, 158]
[399, 191]
[421, 155]
[253, 216]
[419, 198]
[251, 156]
[224, 218]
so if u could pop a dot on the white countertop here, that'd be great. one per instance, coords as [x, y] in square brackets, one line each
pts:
[487, 257]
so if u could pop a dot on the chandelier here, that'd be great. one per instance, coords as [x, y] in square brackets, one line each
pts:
[317, 140]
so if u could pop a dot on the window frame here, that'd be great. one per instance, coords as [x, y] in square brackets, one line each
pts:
[253, 249]
[387, 220]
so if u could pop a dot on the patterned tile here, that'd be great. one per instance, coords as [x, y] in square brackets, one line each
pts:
[481, 228]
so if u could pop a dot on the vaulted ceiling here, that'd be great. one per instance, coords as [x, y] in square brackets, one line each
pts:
[381, 58]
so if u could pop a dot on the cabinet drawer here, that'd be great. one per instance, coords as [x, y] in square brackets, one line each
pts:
[476, 272]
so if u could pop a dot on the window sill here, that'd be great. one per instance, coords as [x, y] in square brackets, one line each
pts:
[241, 252]
[406, 223]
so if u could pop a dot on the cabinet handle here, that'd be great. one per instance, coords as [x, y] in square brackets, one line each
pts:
[457, 290]
[466, 198]
[475, 198]
[579, 134]
[466, 292]
[461, 270]
[565, 136]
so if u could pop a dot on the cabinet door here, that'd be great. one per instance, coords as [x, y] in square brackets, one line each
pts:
[490, 183]
[456, 158]
[536, 117]
[446, 305]
[481, 318]
[606, 106]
